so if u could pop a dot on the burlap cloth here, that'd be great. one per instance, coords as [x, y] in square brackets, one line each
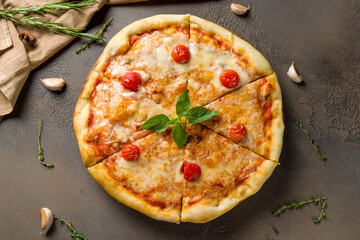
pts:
[18, 58]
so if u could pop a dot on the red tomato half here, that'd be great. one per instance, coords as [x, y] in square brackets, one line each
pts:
[131, 80]
[237, 132]
[130, 152]
[229, 78]
[192, 171]
[180, 54]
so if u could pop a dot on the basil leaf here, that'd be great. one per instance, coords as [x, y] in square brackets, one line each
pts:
[179, 135]
[157, 123]
[199, 114]
[183, 104]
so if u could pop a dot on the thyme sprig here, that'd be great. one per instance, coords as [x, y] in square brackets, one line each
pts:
[74, 233]
[40, 150]
[320, 201]
[22, 15]
[316, 146]
[97, 33]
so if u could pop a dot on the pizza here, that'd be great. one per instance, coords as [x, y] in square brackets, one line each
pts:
[141, 73]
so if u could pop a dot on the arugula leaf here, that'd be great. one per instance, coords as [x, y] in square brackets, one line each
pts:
[157, 123]
[179, 135]
[199, 114]
[183, 104]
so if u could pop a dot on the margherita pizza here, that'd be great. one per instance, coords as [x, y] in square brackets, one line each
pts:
[141, 73]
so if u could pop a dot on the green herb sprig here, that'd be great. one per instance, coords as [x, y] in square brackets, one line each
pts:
[74, 233]
[49, 7]
[40, 150]
[160, 122]
[320, 201]
[316, 146]
[97, 33]
[22, 15]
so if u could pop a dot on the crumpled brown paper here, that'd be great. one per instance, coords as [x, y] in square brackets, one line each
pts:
[17, 59]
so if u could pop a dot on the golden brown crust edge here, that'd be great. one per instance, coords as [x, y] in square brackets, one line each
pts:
[121, 194]
[263, 172]
[209, 209]
[254, 57]
[81, 119]
[211, 28]
[276, 131]
[120, 43]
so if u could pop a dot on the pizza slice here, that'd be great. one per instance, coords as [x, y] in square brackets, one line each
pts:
[220, 62]
[108, 115]
[151, 56]
[252, 117]
[145, 176]
[219, 174]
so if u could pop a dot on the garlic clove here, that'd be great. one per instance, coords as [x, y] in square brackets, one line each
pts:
[293, 75]
[54, 84]
[47, 219]
[239, 9]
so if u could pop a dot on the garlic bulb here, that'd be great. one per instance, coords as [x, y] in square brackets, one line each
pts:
[47, 219]
[54, 84]
[239, 9]
[293, 75]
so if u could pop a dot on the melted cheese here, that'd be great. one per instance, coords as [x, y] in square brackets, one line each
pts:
[151, 53]
[119, 112]
[151, 176]
[224, 165]
[163, 80]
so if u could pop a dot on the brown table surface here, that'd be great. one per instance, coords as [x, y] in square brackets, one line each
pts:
[322, 37]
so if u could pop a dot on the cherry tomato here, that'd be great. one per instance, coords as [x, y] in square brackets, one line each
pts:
[229, 78]
[180, 54]
[131, 80]
[237, 132]
[192, 171]
[130, 152]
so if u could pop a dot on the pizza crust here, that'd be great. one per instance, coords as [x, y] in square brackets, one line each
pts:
[258, 178]
[120, 43]
[253, 56]
[276, 131]
[207, 209]
[101, 175]
[211, 28]
[80, 120]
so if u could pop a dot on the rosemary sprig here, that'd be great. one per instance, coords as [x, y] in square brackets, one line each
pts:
[97, 33]
[21, 15]
[320, 201]
[49, 7]
[74, 233]
[316, 146]
[40, 150]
